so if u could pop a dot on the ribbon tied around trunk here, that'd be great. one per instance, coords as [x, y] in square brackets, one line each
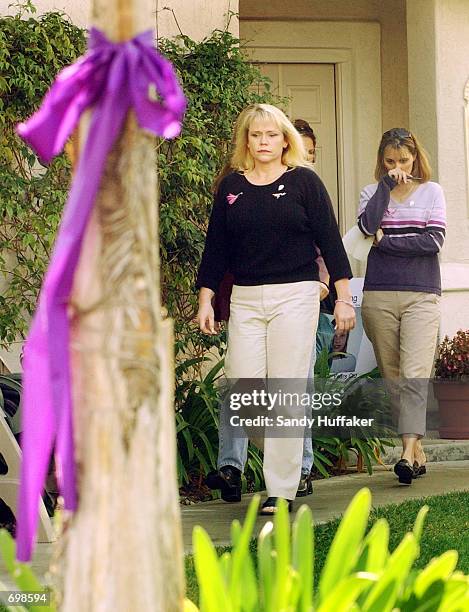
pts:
[112, 79]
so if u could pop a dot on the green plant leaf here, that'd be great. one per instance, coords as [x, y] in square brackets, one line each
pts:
[345, 547]
[266, 565]
[282, 548]
[303, 555]
[241, 553]
[213, 590]
[382, 596]
[419, 522]
[346, 592]
[456, 595]
[438, 569]
[375, 548]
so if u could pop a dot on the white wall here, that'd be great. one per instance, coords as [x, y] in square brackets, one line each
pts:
[196, 18]
[452, 72]
[438, 50]
[421, 46]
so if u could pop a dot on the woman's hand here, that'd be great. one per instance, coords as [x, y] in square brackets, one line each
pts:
[205, 315]
[399, 176]
[379, 234]
[323, 291]
[344, 315]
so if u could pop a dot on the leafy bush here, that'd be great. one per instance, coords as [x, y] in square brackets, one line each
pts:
[453, 357]
[197, 422]
[32, 51]
[359, 573]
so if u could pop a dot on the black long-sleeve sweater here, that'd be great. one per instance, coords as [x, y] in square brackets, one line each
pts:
[265, 234]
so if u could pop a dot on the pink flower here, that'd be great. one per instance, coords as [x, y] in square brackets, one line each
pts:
[231, 198]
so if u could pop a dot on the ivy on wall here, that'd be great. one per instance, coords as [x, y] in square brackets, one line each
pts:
[32, 51]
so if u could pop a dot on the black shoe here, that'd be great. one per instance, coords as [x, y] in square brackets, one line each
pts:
[404, 471]
[419, 470]
[306, 486]
[269, 507]
[228, 480]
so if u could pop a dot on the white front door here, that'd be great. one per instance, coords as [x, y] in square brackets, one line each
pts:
[311, 92]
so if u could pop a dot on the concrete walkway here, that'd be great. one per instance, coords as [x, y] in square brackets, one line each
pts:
[329, 500]
[331, 497]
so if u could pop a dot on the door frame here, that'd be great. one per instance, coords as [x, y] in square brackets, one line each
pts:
[354, 49]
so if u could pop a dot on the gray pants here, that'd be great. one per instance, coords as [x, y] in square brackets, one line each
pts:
[403, 328]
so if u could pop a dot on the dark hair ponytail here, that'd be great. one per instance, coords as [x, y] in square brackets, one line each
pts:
[305, 129]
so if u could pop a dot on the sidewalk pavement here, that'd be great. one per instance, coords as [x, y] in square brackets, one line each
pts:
[329, 500]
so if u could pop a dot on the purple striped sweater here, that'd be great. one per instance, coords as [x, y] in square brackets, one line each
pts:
[406, 258]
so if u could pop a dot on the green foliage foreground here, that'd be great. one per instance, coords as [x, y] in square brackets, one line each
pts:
[359, 573]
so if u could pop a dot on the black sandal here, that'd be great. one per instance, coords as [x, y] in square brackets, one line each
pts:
[228, 480]
[419, 470]
[306, 486]
[404, 471]
[269, 507]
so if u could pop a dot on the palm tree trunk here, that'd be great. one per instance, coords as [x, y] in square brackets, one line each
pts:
[122, 549]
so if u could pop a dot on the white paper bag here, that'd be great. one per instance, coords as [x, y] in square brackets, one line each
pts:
[356, 244]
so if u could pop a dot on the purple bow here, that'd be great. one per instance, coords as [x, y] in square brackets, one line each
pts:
[113, 78]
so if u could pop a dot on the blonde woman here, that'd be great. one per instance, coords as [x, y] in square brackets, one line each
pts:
[266, 217]
[406, 212]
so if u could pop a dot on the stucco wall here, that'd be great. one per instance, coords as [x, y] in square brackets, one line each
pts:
[390, 15]
[452, 73]
[421, 44]
[196, 18]
[438, 44]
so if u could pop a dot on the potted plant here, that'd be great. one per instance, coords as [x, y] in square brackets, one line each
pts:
[451, 386]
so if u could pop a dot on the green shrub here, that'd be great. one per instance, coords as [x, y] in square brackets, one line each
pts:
[197, 422]
[32, 51]
[359, 573]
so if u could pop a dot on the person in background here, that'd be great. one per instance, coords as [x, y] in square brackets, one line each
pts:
[267, 216]
[325, 334]
[309, 139]
[406, 212]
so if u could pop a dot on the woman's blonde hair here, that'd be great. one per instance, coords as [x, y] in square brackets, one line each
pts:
[294, 153]
[397, 138]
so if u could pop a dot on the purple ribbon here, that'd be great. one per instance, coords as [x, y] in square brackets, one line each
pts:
[113, 78]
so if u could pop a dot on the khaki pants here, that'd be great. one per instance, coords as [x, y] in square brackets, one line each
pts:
[272, 330]
[403, 328]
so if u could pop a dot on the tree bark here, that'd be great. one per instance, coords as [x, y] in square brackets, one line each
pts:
[122, 549]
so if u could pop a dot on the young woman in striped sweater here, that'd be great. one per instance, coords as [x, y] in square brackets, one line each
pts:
[406, 213]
